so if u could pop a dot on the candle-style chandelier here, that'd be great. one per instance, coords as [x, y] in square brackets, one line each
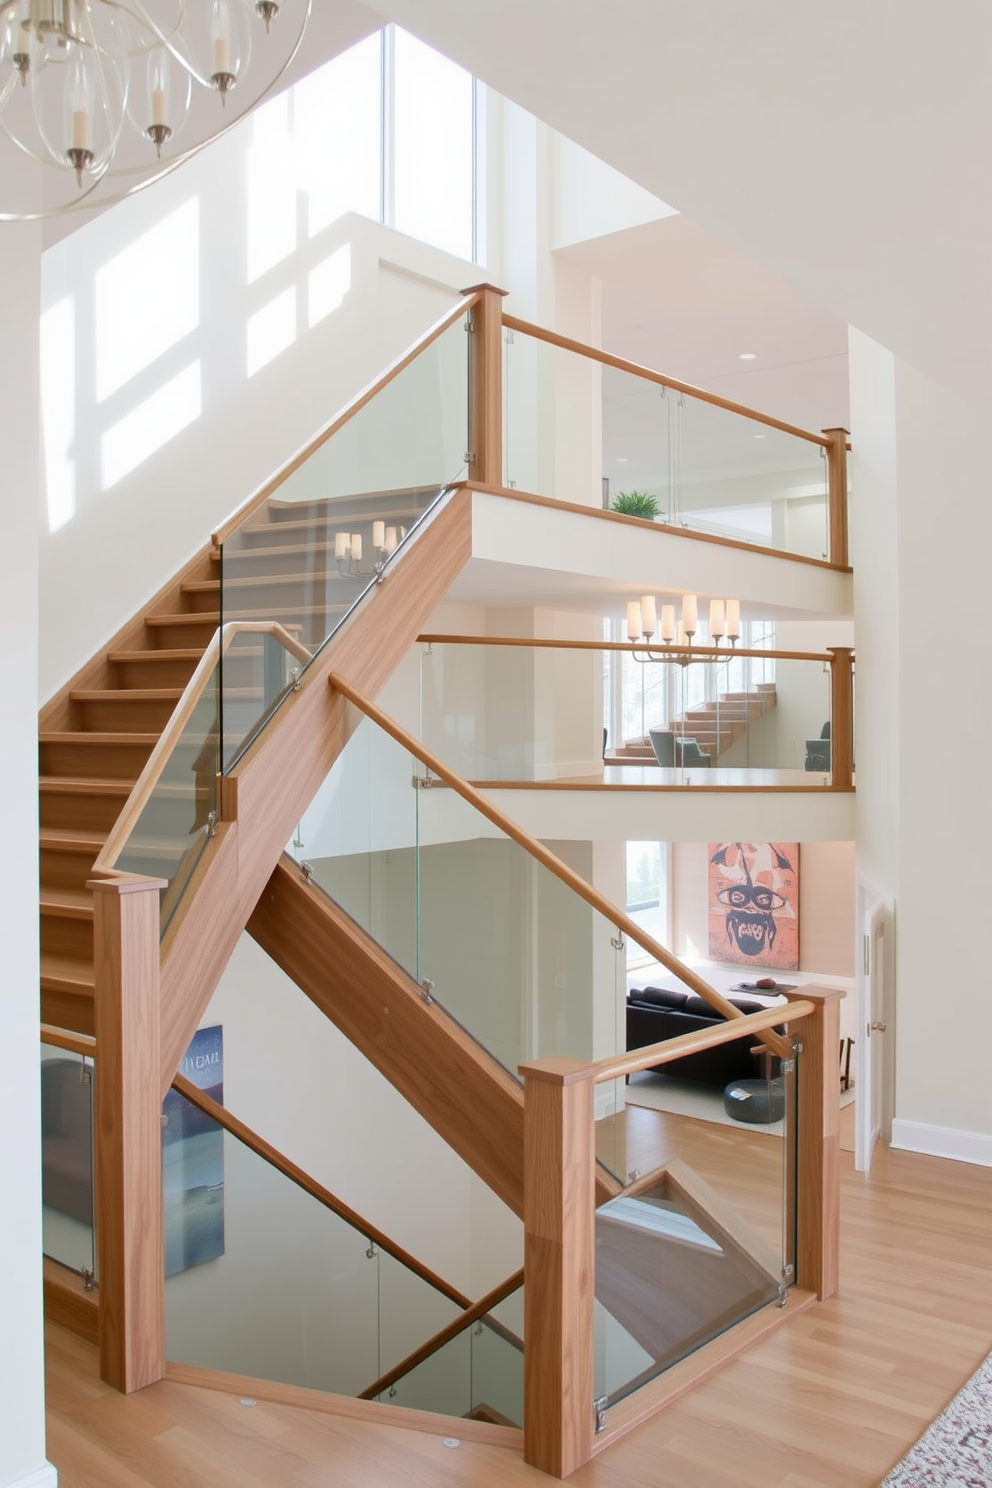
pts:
[642, 622]
[114, 93]
[348, 551]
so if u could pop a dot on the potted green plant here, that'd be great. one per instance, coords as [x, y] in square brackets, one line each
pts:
[636, 504]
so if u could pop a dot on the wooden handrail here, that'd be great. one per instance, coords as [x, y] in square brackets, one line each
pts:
[446, 1334]
[248, 508]
[63, 1038]
[296, 1174]
[652, 1055]
[665, 652]
[146, 782]
[594, 353]
[537, 850]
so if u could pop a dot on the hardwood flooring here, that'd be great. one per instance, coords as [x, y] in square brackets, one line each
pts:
[832, 1400]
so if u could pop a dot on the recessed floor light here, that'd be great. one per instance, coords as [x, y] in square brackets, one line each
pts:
[748, 356]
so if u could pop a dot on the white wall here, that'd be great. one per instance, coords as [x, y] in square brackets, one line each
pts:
[22, 1420]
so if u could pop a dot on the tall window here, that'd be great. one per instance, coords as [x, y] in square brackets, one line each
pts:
[647, 894]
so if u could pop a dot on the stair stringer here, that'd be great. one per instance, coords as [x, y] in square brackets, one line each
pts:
[473, 1104]
[272, 785]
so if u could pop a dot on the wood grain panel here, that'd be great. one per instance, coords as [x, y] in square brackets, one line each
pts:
[559, 1263]
[485, 398]
[128, 1133]
[68, 1303]
[465, 1096]
[818, 1219]
[837, 494]
[279, 775]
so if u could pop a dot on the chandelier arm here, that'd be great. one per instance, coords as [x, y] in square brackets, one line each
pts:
[82, 202]
[137, 12]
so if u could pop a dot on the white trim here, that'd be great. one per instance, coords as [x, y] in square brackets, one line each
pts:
[943, 1141]
[42, 1477]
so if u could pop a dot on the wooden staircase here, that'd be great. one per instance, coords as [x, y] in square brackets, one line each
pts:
[716, 726]
[96, 734]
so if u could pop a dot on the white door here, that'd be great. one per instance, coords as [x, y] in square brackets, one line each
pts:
[870, 1064]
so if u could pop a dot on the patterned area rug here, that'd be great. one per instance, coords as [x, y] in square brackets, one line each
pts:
[956, 1451]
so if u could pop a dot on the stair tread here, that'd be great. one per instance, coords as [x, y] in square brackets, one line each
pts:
[127, 694]
[60, 973]
[255, 581]
[68, 785]
[79, 736]
[68, 904]
[69, 839]
[185, 617]
[185, 653]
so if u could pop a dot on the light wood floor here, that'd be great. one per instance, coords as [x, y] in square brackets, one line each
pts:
[832, 1400]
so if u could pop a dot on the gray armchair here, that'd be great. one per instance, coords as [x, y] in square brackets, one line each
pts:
[670, 748]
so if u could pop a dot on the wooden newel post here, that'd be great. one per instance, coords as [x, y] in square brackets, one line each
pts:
[818, 1220]
[841, 715]
[837, 540]
[128, 1132]
[559, 1264]
[485, 388]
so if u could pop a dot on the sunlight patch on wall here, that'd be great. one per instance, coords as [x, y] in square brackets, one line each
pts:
[271, 189]
[58, 410]
[271, 330]
[147, 298]
[151, 425]
[328, 284]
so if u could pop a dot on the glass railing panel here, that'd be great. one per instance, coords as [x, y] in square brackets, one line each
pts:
[264, 1280]
[318, 544]
[512, 953]
[257, 668]
[67, 1193]
[507, 713]
[359, 837]
[743, 479]
[179, 816]
[708, 1238]
[478, 1373]
[577, 430]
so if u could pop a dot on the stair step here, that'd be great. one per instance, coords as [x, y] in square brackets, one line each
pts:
[68, 904]
[100, 756]
[70, 840]
[158, 668]
[71, 974]
[126, 709]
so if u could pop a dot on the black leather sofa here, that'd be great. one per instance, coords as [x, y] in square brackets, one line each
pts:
[656, 1013]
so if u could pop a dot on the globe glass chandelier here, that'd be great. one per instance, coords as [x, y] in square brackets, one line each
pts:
[108, 95]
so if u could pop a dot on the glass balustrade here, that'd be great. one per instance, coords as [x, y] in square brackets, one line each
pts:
[512, 953]
[67, 1192]
[703, 1233]
[264, 1280]
[478, 1373]
[336, 519]
[579, 430]
[503, 713]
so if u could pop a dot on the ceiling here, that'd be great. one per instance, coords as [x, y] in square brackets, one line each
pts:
[844, 149]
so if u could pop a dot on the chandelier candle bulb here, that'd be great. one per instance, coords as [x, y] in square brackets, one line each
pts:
[341, 545]
[633, 620]
[378, 534]
[356, 546]
[733, 619]
[160, 106]
[668, 623]
[718, 625]
[649, 619]
[690, 619]
[82, 129]
[390, 543]
[680, 639]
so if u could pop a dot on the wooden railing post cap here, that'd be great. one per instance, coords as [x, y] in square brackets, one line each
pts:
[479, 288]
[558, 1069]
[822, 995]
[837, 429]
[126, 883]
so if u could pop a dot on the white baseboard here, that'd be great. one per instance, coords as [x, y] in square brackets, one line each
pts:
[42, 1477]
[943, 1141]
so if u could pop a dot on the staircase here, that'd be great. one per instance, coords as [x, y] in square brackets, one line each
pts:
[716, 726]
